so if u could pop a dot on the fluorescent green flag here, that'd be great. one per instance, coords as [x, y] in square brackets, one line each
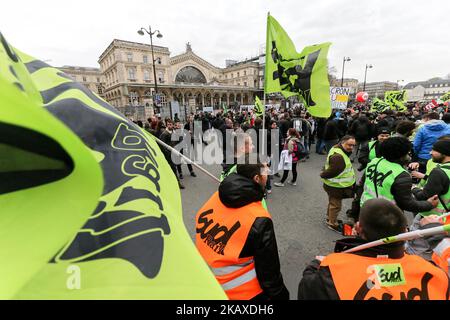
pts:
[131, 241]
[379, 106]
[396, 100]
[50, 181]
[446, 97]
[304, 74]
[259, 108]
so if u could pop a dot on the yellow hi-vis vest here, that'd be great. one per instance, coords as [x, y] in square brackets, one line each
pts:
[346, 178]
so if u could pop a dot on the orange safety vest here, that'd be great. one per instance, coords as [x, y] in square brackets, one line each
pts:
[441, 255]
[221, 234]
[364, 278]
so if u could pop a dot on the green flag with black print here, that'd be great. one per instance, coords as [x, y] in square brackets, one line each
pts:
[396, 99]
[303, 74]
[379, 106]
[445, 97]
[100, 218]
[259, 107]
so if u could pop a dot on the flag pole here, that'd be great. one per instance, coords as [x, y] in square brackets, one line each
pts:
[403, 237]
[165, 145]
[264, 88]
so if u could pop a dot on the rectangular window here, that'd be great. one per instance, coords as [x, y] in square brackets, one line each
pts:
[145, 58]
[130, 57]
[131, 74]
[238, 74]
[146, 75]
[245, 84]
[84, 79]
[245, 73]
[98, 79]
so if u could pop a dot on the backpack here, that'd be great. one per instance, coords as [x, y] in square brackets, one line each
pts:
[300, 150]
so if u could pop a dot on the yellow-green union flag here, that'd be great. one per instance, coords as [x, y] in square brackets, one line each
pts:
[88, 205]
[303, 74]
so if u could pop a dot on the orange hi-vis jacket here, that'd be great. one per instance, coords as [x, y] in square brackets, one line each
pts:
[366, 278]
[441, 255]
[221, 236]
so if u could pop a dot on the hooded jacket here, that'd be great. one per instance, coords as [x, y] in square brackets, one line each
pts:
[427, 135]
[237, 191]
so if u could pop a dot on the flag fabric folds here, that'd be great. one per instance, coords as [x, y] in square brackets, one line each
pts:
[446, 97]
[379, 106]
[259, 107]
[302, 74]
[95, 215]
[396, 100]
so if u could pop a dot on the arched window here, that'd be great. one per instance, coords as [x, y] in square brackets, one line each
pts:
[190, 74]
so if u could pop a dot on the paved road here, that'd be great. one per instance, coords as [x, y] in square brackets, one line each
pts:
[298, 214]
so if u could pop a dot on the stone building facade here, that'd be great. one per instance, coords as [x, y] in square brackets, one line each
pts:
[91, 78]
[185, 78]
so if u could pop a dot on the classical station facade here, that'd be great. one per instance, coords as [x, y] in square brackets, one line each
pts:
[188, 79]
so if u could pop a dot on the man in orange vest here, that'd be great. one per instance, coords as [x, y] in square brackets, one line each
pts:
[380, 273]
[235, 236]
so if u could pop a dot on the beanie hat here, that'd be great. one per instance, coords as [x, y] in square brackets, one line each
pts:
[442, 146]
[383, 130]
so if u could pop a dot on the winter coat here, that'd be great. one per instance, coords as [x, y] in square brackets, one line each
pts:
[331, 131]
[427, 135]
[237, 191]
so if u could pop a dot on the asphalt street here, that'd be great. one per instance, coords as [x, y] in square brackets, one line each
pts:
[298, 213]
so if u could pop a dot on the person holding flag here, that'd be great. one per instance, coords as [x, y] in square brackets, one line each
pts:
[383, 272]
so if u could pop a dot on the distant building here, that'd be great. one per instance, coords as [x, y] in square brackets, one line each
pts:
[427, 90]
[91, 78]
[377, 89]
[185, 78]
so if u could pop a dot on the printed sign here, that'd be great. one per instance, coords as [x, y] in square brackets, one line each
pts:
[339, 97]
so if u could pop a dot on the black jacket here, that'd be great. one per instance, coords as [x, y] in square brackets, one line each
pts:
[317, 282]
[437, 183]
[235, 192]
[363, 157]
[331, 131]
[403, 196]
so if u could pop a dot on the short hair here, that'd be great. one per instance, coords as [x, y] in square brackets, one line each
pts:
[248, 169]
[346, 138]
[394, 148]
[380, 218]
[431, 116]
[405, 126]
[258, 122]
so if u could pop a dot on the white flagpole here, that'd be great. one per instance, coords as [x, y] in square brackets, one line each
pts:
[165, 145]
[403, 237]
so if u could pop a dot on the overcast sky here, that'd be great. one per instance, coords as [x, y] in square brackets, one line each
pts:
[402, 39]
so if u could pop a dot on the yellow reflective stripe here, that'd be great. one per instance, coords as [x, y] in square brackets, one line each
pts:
[373, 194]
[246, 277]
[349, 179]
[230, 269]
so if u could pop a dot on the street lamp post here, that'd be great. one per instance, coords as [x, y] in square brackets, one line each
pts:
[142, 32]
[343, 66]
[368, 66]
